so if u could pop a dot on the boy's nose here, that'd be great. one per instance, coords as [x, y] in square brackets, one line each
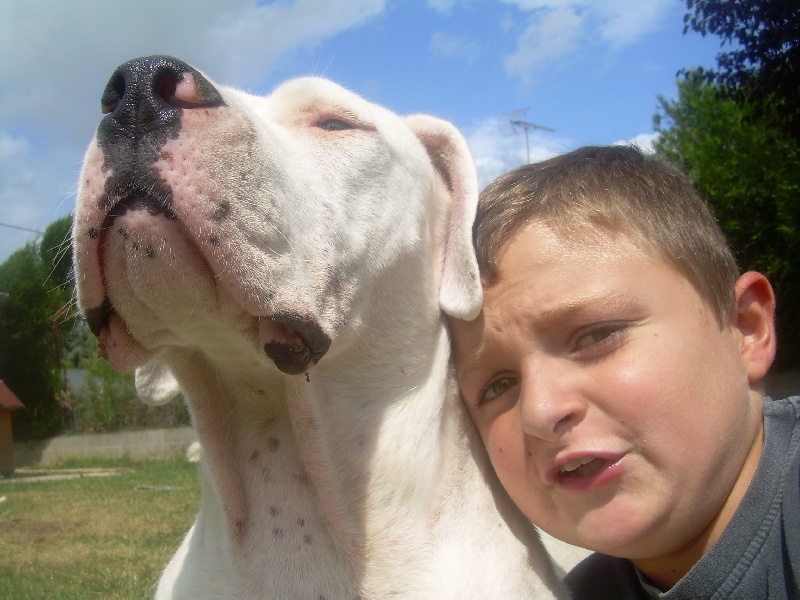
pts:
[550, 404]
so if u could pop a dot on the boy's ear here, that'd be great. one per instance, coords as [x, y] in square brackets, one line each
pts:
[755, 320]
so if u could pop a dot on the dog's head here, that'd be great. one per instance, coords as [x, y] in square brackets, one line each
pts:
[211, 218]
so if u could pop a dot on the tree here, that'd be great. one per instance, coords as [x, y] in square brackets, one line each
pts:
[735, 130]
[69, 329]
[749, 172]
[763, 64]
[29, 360]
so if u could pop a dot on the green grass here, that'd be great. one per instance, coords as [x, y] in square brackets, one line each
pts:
[94, 537]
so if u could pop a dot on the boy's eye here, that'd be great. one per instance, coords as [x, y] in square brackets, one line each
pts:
[600, 335]
[496, 388]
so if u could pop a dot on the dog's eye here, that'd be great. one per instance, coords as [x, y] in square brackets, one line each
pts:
[334, 125]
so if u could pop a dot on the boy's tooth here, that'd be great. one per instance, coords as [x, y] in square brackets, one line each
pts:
[577, 463]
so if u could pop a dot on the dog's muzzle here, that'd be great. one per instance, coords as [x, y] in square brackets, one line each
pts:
[144, 102]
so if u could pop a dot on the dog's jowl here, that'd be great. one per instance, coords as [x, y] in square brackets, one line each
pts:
[286, 261]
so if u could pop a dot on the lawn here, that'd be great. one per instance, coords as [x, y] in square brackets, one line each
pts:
[94, 537]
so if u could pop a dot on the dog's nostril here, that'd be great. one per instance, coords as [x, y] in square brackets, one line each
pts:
[180, 91]
[143, 94]
[112, 95]
[165, 88]
[109, 107]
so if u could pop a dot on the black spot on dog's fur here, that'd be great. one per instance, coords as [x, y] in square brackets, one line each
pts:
[222, 211]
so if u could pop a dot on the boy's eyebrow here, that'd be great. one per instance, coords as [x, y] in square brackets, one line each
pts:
[590, 303]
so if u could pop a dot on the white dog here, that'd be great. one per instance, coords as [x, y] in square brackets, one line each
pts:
[287, 257]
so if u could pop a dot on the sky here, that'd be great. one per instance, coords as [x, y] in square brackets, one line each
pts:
[589, 71]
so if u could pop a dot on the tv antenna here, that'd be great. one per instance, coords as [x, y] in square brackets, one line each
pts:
[517, 122]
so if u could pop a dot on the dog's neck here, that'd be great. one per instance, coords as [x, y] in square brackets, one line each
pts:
[363, 459]
[379, 450]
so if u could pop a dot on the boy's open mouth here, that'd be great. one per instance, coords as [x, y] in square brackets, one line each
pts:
[582, 467]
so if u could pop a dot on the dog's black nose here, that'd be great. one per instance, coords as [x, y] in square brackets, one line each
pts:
[149, 94]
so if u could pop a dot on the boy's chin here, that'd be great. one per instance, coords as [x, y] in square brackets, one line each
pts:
[619, 529]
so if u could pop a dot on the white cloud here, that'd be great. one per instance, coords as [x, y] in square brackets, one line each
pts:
[548, 38]
[496, 148]
[11, 146]
[460, 47]
[256, 36]
[558, 30]
[444, 7]
[644, 141]
[549, 4]
[622, 23]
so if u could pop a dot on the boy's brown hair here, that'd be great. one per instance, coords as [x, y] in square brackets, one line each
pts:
[622, 191]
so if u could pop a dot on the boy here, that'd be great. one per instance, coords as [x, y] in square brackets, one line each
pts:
[614, 375]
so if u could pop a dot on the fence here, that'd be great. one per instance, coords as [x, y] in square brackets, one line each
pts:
[105, 401]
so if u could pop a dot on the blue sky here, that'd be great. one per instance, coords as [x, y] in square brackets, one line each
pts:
[591, 70]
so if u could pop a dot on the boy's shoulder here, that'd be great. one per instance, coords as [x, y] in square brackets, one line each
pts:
[603, 577]
[746, 561]
[787, 409]
[782, 435]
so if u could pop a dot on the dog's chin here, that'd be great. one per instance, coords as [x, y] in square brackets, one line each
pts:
[293, 342]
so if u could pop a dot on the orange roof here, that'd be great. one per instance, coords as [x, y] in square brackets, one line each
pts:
[7, 398]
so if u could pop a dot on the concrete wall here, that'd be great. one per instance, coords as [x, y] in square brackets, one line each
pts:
[135, 445]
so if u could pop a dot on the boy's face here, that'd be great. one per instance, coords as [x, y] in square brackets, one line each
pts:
[616, 411]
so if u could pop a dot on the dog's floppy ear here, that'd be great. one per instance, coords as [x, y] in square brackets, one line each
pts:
[460, 293]
[155, 383]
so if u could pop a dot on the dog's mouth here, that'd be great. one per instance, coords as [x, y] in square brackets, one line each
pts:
[98, 317]
[293, 342]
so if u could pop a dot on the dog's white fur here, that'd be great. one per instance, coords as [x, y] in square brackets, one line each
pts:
[362, 478]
